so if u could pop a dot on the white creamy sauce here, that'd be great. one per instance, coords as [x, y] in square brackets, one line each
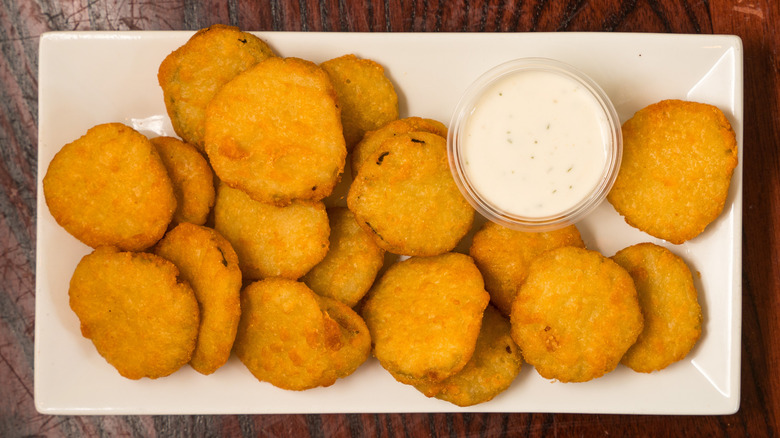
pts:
[535, 144]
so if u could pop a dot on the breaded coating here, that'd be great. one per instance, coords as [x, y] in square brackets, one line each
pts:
[493, 366]
[424, 316]
[669, 305]
[406, 197]
[272, 241]
[208, 262]
[288, 339]
[352, 263]
[110, 187]
[503, 255]
[193, 73]
[575, 315]
[346, 335]
[275, 132]
[141, 318]
[372, 140]
[366, 96]
[192, 178]
[678, 158]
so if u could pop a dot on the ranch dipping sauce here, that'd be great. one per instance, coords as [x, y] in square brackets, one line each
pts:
[533, 145]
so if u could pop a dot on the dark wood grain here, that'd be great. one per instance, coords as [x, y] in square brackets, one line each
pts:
[23, 21]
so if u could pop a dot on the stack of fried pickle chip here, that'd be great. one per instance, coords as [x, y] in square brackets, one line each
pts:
[220, 242]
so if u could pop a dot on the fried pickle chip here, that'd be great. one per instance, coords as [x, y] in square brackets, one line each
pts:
[193, 73]
[210, 265]
[669, 305]
[366, 96]
[406, 197]
[678, 158]
[372, 140]
[503, 256]
[287, 339]
[348, 338]
[424, 316]
[275, 132]
[493, 366]
[272, 241]
[351, 264]
[575, 315]
[110, 187]
[141, 318]
[192, 178]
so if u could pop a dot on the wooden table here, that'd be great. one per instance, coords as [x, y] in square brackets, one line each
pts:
[754, 21]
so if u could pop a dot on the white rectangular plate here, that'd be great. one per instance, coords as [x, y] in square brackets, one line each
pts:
[87, 78]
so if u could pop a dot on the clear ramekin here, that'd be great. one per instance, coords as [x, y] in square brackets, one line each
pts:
[613, 148]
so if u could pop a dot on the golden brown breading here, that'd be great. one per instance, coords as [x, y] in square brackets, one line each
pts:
[142, 319]
[208, 262]
[366, 96]
[352, 263]
[406, 197]
[493, 366]
[372, 140]
[503, 256]
[575, 315]
[678, 158]
[193, 73]
[347, 337]
[272, 241]
[192, 178]
[288, 338]
[275, 132]
[424, 316]
[110, 187]
[669, 304]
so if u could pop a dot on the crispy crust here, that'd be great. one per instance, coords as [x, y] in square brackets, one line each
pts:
[493, 366]
[208, 262]
[110, 187]
[352, 263]
[669, 304]
[406, 197]
[275, 132]
[293, 339]
[140, 317]
[348, 338]
[576, 315]
[190, 76]
[372, 140]
[192, 179]
[424, 316]
[272, 241]
[366, 96]
[503, 256]
[678, 158]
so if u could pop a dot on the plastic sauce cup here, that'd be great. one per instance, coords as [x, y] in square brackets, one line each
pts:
[534, 144]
